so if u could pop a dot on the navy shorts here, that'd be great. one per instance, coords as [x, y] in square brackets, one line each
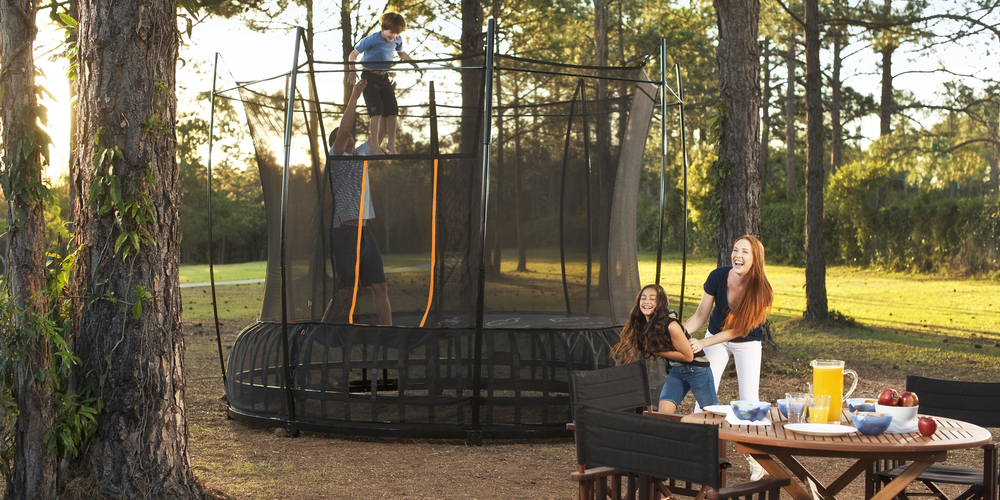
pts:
[345, 239]
[379, 95]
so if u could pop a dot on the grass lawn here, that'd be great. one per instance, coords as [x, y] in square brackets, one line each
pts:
[895, 318]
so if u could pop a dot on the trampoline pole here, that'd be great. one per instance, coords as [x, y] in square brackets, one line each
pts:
[588, 165]
[663, 161]
[211, 267]
[483, 201]
[289, 116]
[562, 198]
[684, 154]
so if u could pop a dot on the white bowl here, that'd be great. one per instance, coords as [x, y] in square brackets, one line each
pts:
[900, 414]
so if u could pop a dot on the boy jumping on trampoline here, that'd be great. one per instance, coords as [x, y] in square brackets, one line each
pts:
[378, 49]
[348, 180]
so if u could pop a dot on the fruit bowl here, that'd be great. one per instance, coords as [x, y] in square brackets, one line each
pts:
[871, 424]
[751, 410]
[861, 404]
[900, 414]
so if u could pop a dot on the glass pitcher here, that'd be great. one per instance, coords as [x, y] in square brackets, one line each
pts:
[828, 378]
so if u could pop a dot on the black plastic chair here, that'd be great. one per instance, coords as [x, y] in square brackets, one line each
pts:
[654, 449]
[974, 402]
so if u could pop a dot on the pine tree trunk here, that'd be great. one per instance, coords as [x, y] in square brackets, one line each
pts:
[885, 103]
[739, 154]
[135, 362]
[790, 121]
[35, 470]
[816, 303]
[765, 103]
[836, 129]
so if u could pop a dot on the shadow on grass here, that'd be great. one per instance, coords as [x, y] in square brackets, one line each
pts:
[934, 354]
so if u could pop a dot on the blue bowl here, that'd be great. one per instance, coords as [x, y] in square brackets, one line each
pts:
[783, 407]
[751, 410]
[871, 424]
[861, 404]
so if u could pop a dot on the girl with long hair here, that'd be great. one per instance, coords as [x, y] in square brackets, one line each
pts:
[654, 331]
[736, 303]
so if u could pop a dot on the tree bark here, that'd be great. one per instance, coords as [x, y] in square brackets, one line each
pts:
[993, 123]
[135, 362]
[816, 303]
[606, 172]
[885, 103]
[836, 129]
[790, 120]
[765, 104]
[35, 470]
[472, 43]
[347, 43]
[738, 57]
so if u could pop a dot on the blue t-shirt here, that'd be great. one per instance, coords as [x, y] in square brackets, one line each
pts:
[717, 286]
[375, 48]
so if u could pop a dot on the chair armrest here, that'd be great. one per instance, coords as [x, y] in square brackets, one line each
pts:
[769, 484]
[663, 415]
[596, 473]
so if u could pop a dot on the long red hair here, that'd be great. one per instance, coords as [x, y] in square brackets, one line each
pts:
[753, 305]
[635, 336]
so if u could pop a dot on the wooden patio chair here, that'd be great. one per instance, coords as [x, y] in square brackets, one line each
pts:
[973, 402]
[654, 449]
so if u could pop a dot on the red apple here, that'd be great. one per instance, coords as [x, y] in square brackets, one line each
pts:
[926, 426]
[909, 399]
[889, 397]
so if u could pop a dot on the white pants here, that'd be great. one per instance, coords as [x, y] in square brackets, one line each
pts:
[747, 356]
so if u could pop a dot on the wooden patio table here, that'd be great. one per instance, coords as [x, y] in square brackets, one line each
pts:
[771, 444]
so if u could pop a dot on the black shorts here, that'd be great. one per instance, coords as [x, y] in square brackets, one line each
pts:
[345, 239]
[379, 95]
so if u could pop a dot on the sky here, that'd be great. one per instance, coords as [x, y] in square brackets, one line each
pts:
[247, 55]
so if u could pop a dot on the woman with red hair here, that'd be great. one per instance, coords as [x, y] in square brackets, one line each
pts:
[736, 303]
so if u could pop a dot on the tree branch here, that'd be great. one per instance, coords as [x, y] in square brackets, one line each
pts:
[790, 13]
[970, 142]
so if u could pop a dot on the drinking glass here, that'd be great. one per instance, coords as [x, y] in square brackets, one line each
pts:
[796, 402]
[819, 409]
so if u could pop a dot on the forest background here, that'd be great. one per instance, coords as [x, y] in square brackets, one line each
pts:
[910, 178]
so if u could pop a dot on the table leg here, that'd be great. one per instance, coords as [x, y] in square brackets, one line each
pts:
[903, 480]
[775, 470]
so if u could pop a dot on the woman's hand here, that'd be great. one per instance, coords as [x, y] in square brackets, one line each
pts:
[695, 345]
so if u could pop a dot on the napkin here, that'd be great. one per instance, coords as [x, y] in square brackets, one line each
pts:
[733, 420]
[902, 428]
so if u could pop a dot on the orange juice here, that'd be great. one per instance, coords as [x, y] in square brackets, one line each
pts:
[829, 381]
[819, 415]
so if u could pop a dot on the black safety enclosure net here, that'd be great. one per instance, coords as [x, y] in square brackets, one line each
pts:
[506, 224]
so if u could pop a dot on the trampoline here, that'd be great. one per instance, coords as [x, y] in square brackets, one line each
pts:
[507, 228]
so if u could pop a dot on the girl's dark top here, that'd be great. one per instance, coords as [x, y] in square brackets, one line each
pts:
[716, 285]
[659, 341]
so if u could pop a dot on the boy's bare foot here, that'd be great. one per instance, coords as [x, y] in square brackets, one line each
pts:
[374, 147]
[391, 148]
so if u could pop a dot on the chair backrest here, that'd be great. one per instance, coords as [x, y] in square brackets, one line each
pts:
[619, 388]
[973, 402]
[660, 448]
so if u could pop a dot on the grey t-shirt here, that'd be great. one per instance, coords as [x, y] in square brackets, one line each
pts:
[345, 178]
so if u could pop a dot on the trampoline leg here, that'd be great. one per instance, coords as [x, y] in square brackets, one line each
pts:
[475, 438]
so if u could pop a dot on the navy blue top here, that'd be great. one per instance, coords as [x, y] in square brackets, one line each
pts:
[717, 286]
